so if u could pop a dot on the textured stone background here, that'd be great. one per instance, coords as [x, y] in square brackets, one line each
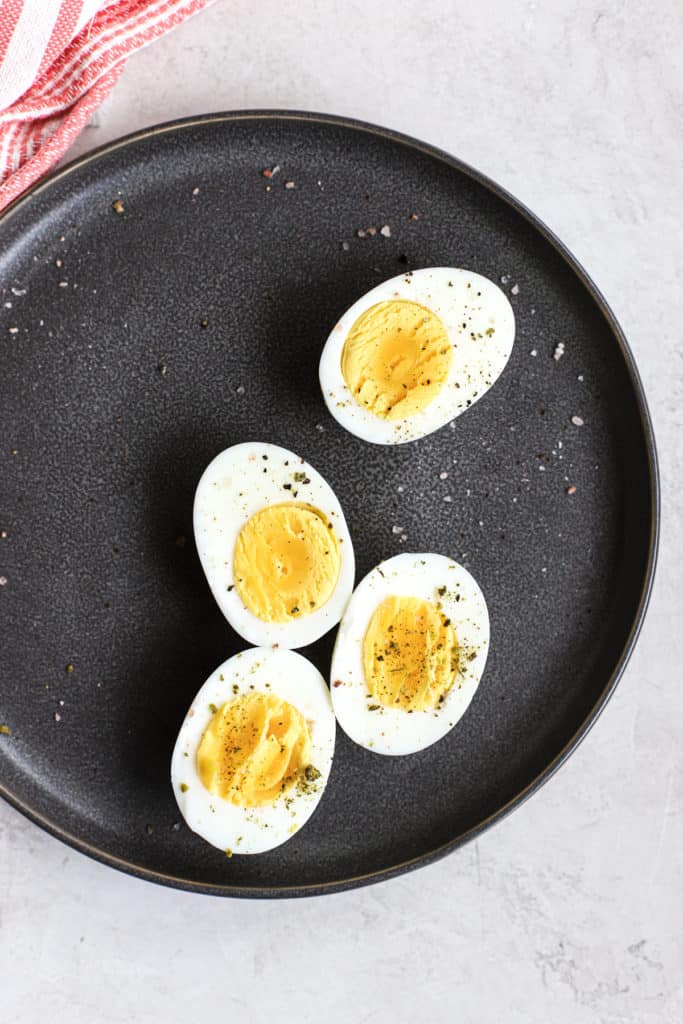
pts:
[570, 910]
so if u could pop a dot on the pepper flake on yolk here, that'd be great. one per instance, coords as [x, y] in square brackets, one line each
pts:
[286, 561]
[396, 358]
[254, 749]
[410, 654]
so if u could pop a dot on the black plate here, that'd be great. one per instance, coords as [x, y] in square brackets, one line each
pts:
[150, 339]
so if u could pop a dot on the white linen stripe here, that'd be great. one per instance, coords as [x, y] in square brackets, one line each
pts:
[7, 137]
[113, 36]
[27, 48]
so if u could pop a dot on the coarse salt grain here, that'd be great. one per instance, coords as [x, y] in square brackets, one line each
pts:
[397, 529]
[443, 475]
[360, 233]
[240, 390]
[13, 330]
[504, 278]
[57, 716]
[63, 284]
[385, 231]
[3, 581]
[559, 351]
[534, 352]
[447, 498]
[289, 184]
[345, 246]
[577, 421]
[18, 291]
[514, 290]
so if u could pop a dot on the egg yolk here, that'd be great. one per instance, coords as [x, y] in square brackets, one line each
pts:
[286, 561]
[396, 358]
[254, 748]
[410, 654]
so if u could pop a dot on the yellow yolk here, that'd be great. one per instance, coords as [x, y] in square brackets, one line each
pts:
[410, 654]
[286, 561]
[396, 358]
[253, 749]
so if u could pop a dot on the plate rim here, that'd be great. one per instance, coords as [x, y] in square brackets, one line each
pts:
[383, 874]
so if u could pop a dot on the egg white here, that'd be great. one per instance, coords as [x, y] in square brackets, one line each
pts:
[458, 297]
[389, 730]
[237, 484]
[256, 829]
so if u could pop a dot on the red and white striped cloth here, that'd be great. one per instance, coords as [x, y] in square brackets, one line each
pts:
[58, 60]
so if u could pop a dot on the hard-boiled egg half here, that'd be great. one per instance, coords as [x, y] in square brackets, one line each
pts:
[274, 545]
[254, 752]
[415, 352]
[410, 652]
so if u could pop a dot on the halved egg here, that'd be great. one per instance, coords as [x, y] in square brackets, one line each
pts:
[415, 352]
[274, 545]
[254, 752]
[410, 652]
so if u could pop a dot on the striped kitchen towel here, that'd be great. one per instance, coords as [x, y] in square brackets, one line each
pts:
[58, 60]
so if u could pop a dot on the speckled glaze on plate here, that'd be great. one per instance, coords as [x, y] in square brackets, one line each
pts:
[140, 343]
